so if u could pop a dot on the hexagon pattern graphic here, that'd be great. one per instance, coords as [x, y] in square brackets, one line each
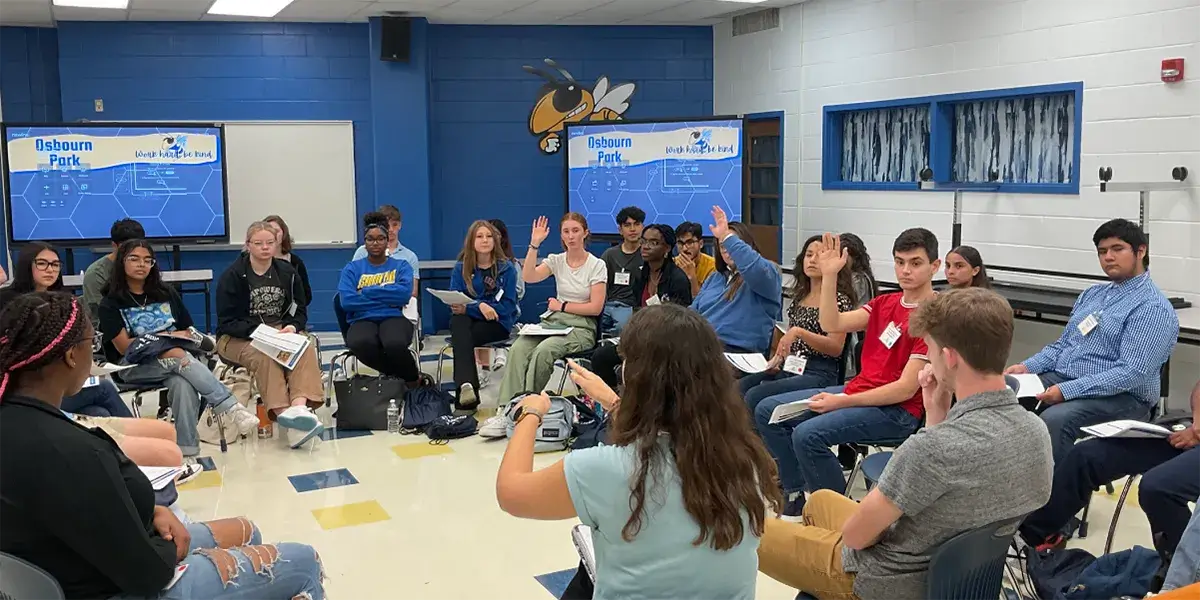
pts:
[77, 202]
[670, 190]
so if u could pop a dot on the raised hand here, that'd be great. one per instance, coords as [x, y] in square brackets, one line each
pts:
[541, 231]
[720, 226]
[831, 256]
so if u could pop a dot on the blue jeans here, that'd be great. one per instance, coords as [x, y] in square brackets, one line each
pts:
[801, 447]
[820, 372]
[615, 316]
[101, 400]
[187, 381]
[294, 571]
[1185, 566]
[1065, 419]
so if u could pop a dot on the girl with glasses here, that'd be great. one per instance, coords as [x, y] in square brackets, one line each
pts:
[139, 304]
[260, 289]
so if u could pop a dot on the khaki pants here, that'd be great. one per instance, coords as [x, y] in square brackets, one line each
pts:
[277, 385]
[531, 359]
[808, 556]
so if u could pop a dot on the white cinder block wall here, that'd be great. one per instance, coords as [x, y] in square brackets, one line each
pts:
[840, 51]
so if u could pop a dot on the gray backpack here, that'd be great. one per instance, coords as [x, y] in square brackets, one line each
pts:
[555, 431]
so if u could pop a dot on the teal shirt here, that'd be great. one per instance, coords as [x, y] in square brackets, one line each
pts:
[660, 563]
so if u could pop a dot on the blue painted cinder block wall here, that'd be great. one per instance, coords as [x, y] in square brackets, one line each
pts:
[462, 105]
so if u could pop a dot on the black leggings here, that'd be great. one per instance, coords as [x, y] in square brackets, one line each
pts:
[385, 346]
[605, 361]
[580, 587]
[466, 334]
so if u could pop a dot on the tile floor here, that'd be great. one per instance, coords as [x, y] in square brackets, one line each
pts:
[392, 512]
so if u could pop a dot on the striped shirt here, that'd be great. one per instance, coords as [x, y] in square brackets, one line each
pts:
[1135, 331]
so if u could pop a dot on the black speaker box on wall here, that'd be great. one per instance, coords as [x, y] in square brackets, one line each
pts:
[395, 38]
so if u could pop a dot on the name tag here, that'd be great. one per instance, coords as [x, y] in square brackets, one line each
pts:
[621, 278]
[92, 381]
[653, 300]
[795, 364]
[890, 334]
[1087, 325]
[499, 295]
[292, 309]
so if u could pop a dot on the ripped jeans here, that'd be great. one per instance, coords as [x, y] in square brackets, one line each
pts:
[223, 569]
[187, 381]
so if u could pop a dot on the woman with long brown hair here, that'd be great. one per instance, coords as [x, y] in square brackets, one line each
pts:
[673, 513]
[742, 299]
[807, 357]
[484, 273]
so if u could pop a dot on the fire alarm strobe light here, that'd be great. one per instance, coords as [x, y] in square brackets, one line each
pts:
[1172, 70]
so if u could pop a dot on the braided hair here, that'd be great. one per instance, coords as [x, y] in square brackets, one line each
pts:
[37, 329]
[668, 235]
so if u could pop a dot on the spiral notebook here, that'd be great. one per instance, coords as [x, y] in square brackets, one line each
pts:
[582, 536]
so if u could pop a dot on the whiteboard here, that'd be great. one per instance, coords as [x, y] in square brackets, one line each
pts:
[302, 171]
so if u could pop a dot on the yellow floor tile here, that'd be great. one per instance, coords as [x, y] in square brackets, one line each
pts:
[350, 514]
[206, 479]
[421, 450]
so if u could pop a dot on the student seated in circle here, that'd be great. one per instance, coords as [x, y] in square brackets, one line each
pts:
[579, 279]
[742, 299]
[659, 281]
[964, 269]
[139, 304]
[485, 274]
[259, 290]
[807, 357]
[677, 502]
[77, 507]
[38, 269]
[395, 222]
[882, 402]
[858, 262]
[373, 292]
[95, 278]
[283, 249]
[698, 266]
[624, 264]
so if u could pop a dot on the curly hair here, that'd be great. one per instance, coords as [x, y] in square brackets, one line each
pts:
[688, 399]
[37, 329]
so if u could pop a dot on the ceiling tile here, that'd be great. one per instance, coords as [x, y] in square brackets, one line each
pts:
[71, 13]
[26, 13]
[187, 6]
[146, 14]
[317, 9]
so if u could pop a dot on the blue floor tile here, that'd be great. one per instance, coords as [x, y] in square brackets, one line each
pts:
[556, 582]
[322, 480]
[333, 433]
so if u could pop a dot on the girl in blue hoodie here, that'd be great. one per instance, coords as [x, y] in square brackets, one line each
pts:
[484, 273]
[373, 292]
[743, 298]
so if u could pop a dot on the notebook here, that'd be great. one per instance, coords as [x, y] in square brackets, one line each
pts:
[1127, 429]
[582, 536]
[749, 362]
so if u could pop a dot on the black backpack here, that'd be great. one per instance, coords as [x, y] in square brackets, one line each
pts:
[449, 427]
[423, 404]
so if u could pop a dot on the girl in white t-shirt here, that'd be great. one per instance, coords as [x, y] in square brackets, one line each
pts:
[578, 301]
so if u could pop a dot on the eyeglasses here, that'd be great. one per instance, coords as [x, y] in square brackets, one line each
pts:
[689, 242]
[375, 240]
[42, 264]
[139, 260]
[268, 244]
[651, 243]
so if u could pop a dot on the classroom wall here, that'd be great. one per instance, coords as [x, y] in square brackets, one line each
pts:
[841, 51]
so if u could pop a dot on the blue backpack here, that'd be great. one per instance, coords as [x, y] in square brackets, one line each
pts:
[423, 404]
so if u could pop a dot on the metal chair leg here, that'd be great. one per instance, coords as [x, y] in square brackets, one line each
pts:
[1112, 527]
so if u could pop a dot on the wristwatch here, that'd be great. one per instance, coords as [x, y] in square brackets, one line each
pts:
[563, 308]
[522, 411]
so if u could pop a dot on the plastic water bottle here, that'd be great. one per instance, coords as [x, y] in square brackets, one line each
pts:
[393, 414]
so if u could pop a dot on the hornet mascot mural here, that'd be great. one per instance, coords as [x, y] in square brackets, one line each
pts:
[562, 101]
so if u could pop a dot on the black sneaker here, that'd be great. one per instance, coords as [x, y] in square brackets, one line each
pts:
[794, 507]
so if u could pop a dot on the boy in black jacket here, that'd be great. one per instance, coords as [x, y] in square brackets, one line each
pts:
[261, 290]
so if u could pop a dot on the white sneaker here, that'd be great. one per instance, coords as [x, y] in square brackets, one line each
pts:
[500, 360]
[191, 469]
[301, 423]
[243, 418]
[494, 427]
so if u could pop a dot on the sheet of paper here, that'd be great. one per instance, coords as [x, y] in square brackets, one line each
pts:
[540, 330]
[160, 477]
[582, 536]
[789, 411]
[1030, 385]
[410, 310]
[284, 348]
[105, 369]
[1127, 429]
[748, 362]
[450, 297]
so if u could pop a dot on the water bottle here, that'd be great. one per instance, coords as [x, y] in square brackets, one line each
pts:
[393, 414]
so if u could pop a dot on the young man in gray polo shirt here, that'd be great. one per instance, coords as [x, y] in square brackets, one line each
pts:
[983, 460]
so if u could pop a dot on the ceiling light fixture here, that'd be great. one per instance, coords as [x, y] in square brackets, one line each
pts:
[118, 4]
[248, 8]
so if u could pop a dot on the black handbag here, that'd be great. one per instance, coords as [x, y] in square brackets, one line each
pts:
[363, 401]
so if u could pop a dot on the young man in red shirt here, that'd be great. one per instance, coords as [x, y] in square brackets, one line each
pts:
[883, 402]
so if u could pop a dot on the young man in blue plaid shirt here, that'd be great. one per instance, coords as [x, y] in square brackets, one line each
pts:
[1105, 365]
